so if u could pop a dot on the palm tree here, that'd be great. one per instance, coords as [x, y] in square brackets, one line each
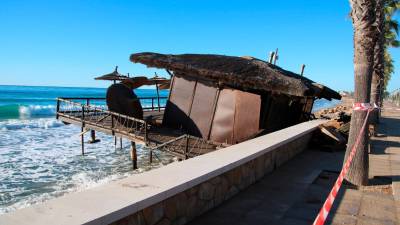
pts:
[365, 35]
[391, 34]
[379, 58]
[387, 37]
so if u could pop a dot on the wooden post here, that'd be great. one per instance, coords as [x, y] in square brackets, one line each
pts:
[302, 69]
[93, 136]
[82, 130]
[133, 155]
[276, 56]
[58, 107]
[271, 56]
[151, 156]
[112, 125]
[120, 142]
[83, 141]
[115, 142]
[146, 133]
[187, 147]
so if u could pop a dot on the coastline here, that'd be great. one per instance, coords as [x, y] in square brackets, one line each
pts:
[34, 141]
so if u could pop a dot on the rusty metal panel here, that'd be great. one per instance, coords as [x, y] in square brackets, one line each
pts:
[179, 103]
[224, 118]
[202, 110]
[247, 115]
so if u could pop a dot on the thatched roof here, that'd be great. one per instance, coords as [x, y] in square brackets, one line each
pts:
[112, 76]
[244, 73]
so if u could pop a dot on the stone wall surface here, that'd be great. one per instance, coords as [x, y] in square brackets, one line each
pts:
[184, 206]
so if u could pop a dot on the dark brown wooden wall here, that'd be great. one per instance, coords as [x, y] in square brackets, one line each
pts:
[281, 111]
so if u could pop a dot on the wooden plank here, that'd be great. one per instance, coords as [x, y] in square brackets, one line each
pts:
[330, 132]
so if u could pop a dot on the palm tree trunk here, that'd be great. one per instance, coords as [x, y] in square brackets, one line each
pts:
[379, 54]
[363, 17]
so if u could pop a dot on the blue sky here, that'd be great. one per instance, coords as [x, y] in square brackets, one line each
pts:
[68, 43]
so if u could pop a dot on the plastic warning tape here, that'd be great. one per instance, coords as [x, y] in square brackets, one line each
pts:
[362, 106]
[323, 213]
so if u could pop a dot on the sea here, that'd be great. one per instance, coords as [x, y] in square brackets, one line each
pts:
[40, 157]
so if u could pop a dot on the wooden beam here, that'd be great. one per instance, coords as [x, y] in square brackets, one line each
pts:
[134, 155]
[83, 141]
[328, 131]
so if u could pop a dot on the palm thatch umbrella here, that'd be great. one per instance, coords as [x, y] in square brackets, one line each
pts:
[161, 83]
[114, 76]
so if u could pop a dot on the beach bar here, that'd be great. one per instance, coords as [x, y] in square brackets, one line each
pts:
[214, 101]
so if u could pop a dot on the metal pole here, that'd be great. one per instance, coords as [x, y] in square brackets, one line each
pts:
[302, 69]
[158, 97]
[133, 155]
[276, 56]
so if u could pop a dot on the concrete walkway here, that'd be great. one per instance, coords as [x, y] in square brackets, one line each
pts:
[378, 202]
[294, 193]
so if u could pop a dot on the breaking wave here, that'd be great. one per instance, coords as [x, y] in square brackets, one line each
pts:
[16, 124]
[26, 111]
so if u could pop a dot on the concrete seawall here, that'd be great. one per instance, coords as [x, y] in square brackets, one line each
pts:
[176, 193]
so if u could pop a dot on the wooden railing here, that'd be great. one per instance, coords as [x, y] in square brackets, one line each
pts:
[97, 117]
[100, 117]
[148, 103]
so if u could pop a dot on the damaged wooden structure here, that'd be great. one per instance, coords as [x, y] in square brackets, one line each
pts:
[214, 101]
[231, 99]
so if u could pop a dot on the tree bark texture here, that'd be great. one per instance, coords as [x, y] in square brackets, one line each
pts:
[363, 18]
[379, 54]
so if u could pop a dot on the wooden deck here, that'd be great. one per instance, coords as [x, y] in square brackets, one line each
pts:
[147, 132]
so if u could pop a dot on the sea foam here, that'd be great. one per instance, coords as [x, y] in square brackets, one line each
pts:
[41, 159]
[42, 123]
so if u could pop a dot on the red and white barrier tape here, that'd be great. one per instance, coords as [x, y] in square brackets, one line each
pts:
[364, 106]
[323, 213]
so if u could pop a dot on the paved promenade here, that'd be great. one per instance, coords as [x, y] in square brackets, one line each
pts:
[294, 193]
